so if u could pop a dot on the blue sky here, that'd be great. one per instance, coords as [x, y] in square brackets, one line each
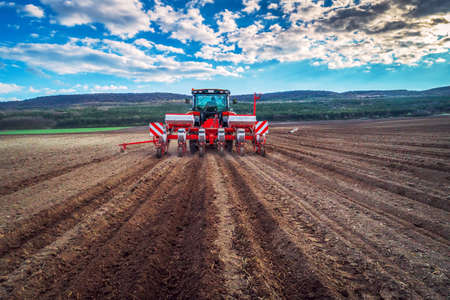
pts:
[51, 47]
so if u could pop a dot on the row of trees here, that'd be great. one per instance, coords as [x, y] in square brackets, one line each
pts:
[330, 109]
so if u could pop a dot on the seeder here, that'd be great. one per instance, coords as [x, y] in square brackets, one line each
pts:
[210, 124]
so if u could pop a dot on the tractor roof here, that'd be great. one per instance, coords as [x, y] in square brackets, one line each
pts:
[210, 91]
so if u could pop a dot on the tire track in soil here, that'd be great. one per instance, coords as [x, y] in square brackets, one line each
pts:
[390, 186]
[373, 208]
[277, 267]
[164, 251]
[17, 186]
[236, 277]
[48, 271]
[42, 229]
[382, 273]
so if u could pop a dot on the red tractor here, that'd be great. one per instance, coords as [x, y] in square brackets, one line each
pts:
[211, 123]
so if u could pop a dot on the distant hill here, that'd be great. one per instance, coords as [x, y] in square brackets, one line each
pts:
[90, 99]
[62, 101]
[306, 94]
[290, 95]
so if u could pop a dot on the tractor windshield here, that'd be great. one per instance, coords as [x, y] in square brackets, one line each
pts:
[208, 102]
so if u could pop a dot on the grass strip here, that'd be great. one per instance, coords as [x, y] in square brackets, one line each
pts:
[60, 130]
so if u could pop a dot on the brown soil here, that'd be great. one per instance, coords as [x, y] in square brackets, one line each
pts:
[335, 210]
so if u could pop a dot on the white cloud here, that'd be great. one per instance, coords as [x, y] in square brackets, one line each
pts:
[226, 21]
[6, 88]
[124, 18]
[273, 6]
[183, 26]
[200, 3]
[66, 91]
[251, 5]
[110, 57]
[15, 26]
[144, 43]
[164, 48]
[440, 60]
[110, 87]
[6, 4]
[34, 35]
[9, 99]
[33, 11]
[341, 36]
[269, 16]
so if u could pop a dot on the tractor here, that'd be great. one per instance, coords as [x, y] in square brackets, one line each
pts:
[210, 124]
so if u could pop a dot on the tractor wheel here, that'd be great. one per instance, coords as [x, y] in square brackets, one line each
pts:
[158, 152]
[201, 150]
[193, 147]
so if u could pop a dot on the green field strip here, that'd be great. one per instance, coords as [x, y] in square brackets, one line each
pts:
[58, 131]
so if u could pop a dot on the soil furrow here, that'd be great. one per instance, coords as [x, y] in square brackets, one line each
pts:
[385, 265]
[374, 208]
[163, 251]
[48, 226]
[384, 184]
[387, 161]
[336, 263]
[368, 168]
[234, 270]
[292, 277]
[17, 186]
[338, 209]
[48, 271]
[359, 143]
[25, 230]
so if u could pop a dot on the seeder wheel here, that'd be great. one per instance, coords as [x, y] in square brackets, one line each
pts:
[221, 149]
[201, 150]
[240, 149]
[158, 152]
[263, 150]
[193, 146]
[180, 151]
[229, 146]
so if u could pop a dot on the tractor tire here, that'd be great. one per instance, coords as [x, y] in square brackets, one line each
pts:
[158, 152]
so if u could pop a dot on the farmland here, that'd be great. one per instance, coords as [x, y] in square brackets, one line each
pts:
[338, 209]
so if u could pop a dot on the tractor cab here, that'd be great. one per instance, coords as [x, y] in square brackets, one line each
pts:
[210, 102]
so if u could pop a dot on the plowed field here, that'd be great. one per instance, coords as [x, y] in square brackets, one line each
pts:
[356, 209]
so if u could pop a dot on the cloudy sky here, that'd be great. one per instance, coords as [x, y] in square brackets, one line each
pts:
[85, 46]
